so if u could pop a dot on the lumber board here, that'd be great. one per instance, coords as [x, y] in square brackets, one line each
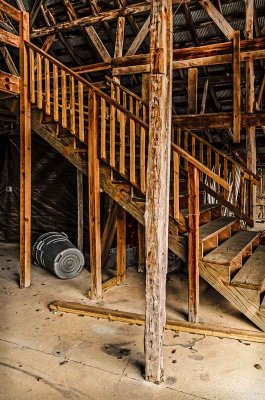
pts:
[216, 226]
[174, 325]
[231, 248]
[252, 274]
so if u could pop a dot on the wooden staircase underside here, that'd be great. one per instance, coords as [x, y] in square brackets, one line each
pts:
[214, 235]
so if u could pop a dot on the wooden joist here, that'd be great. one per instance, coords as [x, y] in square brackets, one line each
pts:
[9, 38]
[9, 10]
[133, 9]
[222, 120]
[139, 319]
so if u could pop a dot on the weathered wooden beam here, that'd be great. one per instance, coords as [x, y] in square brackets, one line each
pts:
[214, 54]
[25, 156]
[139, 319]
[157, 193]
[236, 87]
[94, 200]
[119, 37]
[9, 83]
[9, 38]
[133, 9]
[9, 10]
[223, 120]
[90, 32]
[218, 18]
[139, 38]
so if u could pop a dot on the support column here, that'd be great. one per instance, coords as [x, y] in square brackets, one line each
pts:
[251, 149]
[141, 228]
[80, 210]
[94, 199]
[157, 194]
[193, 242]
[25, 156]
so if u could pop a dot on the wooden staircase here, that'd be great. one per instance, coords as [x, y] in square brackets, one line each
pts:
[231, 259]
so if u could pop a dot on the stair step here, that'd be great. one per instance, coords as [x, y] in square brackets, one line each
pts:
[233, 250]
[252, 274]
[203, 208]
[216, 226]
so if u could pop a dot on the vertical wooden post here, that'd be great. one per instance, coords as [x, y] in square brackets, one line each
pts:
[157, 193]
[121, 244]
[25, 155]
[192, 90]
[141, 229]
[236, 87]
[251, 149]
[193, 242]
[80, 210]
[94, 199]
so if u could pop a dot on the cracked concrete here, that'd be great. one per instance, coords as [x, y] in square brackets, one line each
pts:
[63, 356]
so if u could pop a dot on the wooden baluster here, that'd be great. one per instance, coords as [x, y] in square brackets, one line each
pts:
[47, 87]
[72, 105]
[242, 191]
[132, 151]
[142, 160]
[81, 111]
[112, 136]
[217, 170]
[226, 176]
[39, 81]
[193, 242]
[209, 157]
[186, 147]
[201, 158]
[176, 184]
[234, 184]
[55, 94]
[144, 113]
[122, 143]
[32, 76]
[179, 132]
[251, 199]
[193, 146]
[103, 152]
[64, 98]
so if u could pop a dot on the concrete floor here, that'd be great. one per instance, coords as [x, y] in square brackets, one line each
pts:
[46, 355]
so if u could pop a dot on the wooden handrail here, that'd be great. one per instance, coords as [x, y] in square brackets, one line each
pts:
[201, 167]
[124, 89]
[224, 155]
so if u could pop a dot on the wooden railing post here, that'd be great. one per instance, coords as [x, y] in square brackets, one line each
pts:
[25, 155]
[94, 199]
[121, 245]
[193, 242]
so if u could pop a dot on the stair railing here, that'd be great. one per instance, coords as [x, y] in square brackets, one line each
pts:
[64, 96]
[129, 100]
[242, 181]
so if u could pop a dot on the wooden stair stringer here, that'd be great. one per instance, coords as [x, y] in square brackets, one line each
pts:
[247, 301]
